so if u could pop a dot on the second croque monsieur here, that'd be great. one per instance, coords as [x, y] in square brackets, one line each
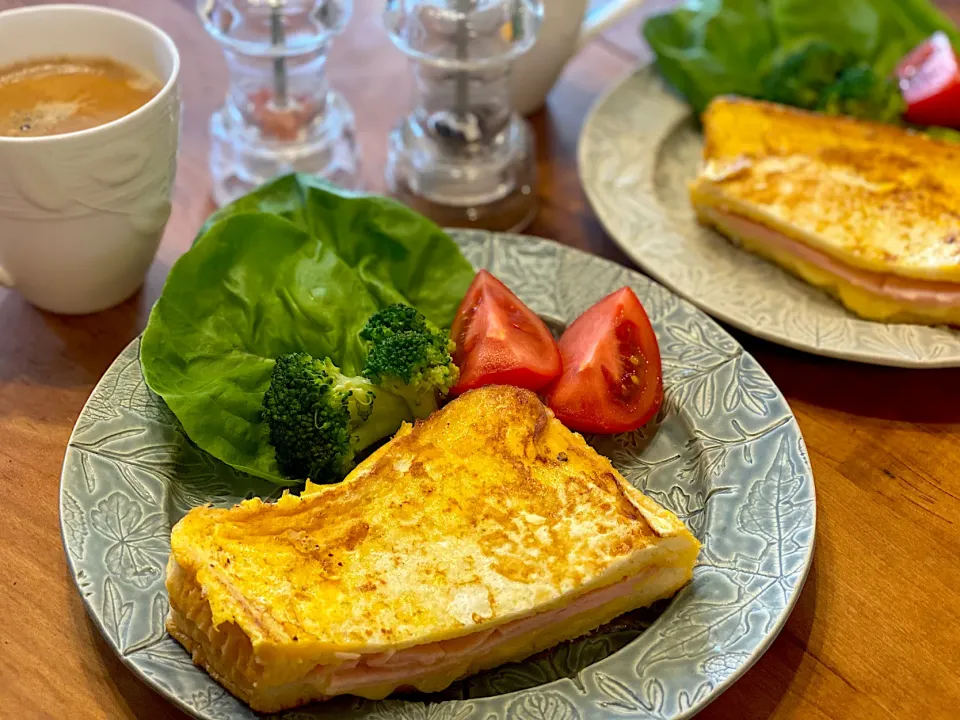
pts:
[868, 212]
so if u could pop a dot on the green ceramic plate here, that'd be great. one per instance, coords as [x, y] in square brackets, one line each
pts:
[727, 458]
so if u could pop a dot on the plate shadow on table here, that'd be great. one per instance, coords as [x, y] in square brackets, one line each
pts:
[873, 391]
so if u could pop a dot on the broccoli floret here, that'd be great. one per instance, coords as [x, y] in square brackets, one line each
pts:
[861, 93]
[800, 76]
[319, 419]
[409, 357]
[393, 320]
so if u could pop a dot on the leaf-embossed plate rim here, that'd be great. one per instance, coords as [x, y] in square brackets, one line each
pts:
[728, 457]
[775, 294]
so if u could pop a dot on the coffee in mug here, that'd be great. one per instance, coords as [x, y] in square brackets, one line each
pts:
[56, 95]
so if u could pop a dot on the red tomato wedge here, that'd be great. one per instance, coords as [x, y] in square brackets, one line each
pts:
[612, 380]
[500, 341]
[930, 83]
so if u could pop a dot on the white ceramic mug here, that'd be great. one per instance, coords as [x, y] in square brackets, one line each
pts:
[81, 214]
[566, 27]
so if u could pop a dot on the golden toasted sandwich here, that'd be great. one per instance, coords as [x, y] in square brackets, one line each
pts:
[868, 212]
[483, 535]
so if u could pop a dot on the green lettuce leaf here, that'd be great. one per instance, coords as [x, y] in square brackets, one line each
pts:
[400, 255]
[707, 48]
[850, 26]
[296, 266]
[877, 32]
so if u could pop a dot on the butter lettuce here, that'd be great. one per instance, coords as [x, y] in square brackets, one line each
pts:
[295, 266]
[707, 48]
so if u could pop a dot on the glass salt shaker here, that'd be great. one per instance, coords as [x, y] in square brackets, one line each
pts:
[463, 157]
[280, 114]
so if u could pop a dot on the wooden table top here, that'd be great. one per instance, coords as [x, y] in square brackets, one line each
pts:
[876, 632]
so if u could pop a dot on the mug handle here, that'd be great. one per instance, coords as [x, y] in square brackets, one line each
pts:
[601, 18]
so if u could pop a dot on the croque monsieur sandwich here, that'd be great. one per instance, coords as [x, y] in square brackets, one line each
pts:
[868, 212]
[483, 535]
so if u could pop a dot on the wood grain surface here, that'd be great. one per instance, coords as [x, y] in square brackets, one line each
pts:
[876, 633]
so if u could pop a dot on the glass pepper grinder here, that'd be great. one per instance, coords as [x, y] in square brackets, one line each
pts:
[280, 114]
[463, 157]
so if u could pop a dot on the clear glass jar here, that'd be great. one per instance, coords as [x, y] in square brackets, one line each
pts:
[462, 156]
[280, 114]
